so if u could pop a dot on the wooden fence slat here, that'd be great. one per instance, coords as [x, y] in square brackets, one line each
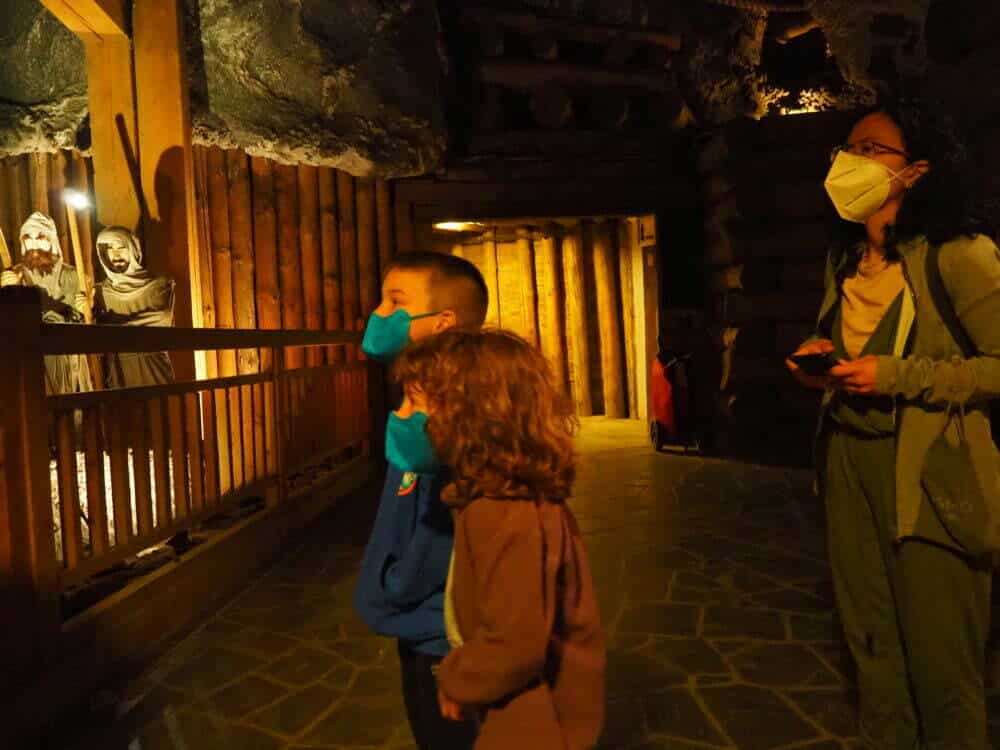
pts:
[348, 256]
[140, 469]
[386, 235]
[260, 443]
[312, 261]
[289, 256]
[69, 492]
[368, 254]
[211, 448]
[196, 467]
[329, 226]
[238, 418]
[161, 458]
[121, 496]
[178, 456]
[97, 501]
[246, 409]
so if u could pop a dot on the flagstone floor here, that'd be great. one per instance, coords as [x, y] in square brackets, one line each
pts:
[713, 584]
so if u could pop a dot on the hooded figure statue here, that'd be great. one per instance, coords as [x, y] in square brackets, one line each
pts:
[130, 296]
[41, 265]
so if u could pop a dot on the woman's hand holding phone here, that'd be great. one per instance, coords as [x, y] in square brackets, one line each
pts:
[815, 381]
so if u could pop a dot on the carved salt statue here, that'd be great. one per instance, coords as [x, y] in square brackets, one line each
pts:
[42, 267]
[130, 296]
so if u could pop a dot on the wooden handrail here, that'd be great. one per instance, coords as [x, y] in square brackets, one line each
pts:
[65, 338]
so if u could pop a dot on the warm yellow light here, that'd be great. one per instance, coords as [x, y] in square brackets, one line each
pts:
[76, 199]
[459, 226]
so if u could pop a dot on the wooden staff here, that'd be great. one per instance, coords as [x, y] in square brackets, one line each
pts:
[5, 259]
[86, 286]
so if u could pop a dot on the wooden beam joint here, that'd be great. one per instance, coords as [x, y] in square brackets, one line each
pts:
[99, 18]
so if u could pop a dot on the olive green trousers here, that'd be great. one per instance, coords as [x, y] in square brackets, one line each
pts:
[915, 614]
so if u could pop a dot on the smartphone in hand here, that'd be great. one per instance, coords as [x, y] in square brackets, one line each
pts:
[814, 364]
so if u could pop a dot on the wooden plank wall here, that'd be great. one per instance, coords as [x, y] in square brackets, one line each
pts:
[559, 285]
[285, 246]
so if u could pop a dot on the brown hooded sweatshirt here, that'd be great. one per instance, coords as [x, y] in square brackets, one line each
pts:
[533, 652]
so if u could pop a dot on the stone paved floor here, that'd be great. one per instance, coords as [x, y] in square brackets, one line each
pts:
[713, 585]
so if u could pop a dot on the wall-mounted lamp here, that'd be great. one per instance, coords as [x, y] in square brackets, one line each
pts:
[459, 226]
[75, 199]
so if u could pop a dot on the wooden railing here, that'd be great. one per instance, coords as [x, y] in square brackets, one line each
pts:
[114, 472]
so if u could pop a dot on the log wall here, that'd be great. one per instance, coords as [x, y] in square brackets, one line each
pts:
[284, 246]
[560, 286]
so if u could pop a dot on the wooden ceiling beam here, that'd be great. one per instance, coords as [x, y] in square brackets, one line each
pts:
[566, 29]
[529, 75]
[100, 18]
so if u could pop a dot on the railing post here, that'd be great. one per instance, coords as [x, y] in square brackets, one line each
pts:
[279, 416]
[28, 567]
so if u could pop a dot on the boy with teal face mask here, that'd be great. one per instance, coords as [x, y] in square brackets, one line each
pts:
[400, 590]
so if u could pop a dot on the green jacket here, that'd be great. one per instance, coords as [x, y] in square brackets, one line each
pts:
[926, 373]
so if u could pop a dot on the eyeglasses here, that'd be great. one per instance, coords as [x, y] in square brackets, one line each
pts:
[868, 149]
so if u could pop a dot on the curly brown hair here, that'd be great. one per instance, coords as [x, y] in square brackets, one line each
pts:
[496, 415]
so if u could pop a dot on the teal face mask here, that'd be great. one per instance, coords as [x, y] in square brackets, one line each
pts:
[386, 336]
[407, 446]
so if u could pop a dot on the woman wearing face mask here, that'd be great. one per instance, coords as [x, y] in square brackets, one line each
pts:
[912, 589]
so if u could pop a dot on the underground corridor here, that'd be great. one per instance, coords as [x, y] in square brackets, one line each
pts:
[713, 586]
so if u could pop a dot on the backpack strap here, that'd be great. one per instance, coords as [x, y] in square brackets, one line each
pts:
[942, 301]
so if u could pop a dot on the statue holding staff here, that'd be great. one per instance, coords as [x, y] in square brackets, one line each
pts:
[41, 266]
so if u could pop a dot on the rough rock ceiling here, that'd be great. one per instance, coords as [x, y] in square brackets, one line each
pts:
[366, 85]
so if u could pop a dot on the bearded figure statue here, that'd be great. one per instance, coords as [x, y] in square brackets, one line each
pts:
[41, 266]
[130, 296]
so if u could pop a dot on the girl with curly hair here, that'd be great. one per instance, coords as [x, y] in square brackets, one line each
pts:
[528, 650]
[908, 470]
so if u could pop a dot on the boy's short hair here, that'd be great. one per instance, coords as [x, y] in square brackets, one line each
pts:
[455, 284]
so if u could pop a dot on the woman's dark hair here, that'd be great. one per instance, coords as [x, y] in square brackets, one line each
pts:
[941, 205]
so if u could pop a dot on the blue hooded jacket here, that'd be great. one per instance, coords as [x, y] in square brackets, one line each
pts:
[400, 590]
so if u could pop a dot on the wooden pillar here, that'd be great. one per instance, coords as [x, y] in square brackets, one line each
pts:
[312, 267]
[29, 596]
[348, 255]
[80, 179]
[626, 242]
[549, 290]
[166, 158]
[38, 182]
[57, 165]
[20, 200]
[112, 106]
[333, 313]
[289, 257]
[577, 346]
[608, 316]
[368, 257]
[386, 235]
[406, 240]
[241, 237]
[490, 276]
